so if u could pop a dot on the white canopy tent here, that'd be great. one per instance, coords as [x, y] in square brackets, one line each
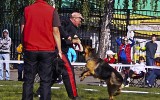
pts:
[132, 28]
[152, 28]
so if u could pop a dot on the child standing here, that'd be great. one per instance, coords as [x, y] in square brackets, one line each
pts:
[20, 66]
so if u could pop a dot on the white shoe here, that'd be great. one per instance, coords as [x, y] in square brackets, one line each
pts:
[39, 96]
[100, 84]
[128, 79]
[126, 85]
[104, 85]
[122, 86]
[147, 81]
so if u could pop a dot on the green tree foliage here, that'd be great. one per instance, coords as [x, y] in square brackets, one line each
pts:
[14, 9]
[140, 4]
[104, 44]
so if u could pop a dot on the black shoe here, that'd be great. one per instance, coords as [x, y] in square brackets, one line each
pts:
[75, 98]
[37, 95]
[148, 86]
[20, 80]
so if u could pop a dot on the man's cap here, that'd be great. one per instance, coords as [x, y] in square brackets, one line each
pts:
[5, 30]
[77, 15]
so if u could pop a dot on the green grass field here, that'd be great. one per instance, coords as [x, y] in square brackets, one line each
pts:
[12, 90]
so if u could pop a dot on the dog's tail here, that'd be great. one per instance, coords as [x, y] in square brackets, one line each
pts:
[119, 90]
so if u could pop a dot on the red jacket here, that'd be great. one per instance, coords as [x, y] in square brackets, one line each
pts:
[127, 51]
[111, 61]
[38, 29]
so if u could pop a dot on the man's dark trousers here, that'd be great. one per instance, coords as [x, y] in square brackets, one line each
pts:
[37, 62]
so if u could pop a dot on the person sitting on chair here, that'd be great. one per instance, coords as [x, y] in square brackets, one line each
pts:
[150, 80]
[111, 60]
[110, 57]
[139, 70]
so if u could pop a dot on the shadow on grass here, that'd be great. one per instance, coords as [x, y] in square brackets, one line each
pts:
[92, 85]
[94, 82]
[103, 99]
[99, 99]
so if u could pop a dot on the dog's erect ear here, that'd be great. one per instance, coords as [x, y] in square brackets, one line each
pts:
[92, 50]
[83, 52]
[87, 47]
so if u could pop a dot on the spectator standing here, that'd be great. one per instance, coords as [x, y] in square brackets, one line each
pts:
[20, 65]
[151, 48]
[124, 54]
[5, 44]
[72, 56]
[41, 35]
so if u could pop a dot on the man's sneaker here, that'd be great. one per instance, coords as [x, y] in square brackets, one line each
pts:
[101, 83]
[75, 98]
[147, 81]
[39, 95]
[149, 85]
[60, 82]
[104, 84]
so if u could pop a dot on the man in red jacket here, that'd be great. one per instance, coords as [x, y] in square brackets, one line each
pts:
[40, 36]
[124, 54]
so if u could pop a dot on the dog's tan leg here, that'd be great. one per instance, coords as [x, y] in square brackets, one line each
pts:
[120, 87]
[85, 75]
[114, 86]
[111, 98]
[110, 91]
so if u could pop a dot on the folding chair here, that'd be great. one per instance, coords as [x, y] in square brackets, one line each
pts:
[157, 63]
[157, 82]
[137, 80]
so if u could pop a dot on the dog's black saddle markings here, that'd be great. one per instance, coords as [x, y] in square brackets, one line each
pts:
[104, 70]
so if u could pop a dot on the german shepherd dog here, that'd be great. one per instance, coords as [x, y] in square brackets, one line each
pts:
[98, 68]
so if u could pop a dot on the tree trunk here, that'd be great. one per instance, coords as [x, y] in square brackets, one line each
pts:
[105, 42]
